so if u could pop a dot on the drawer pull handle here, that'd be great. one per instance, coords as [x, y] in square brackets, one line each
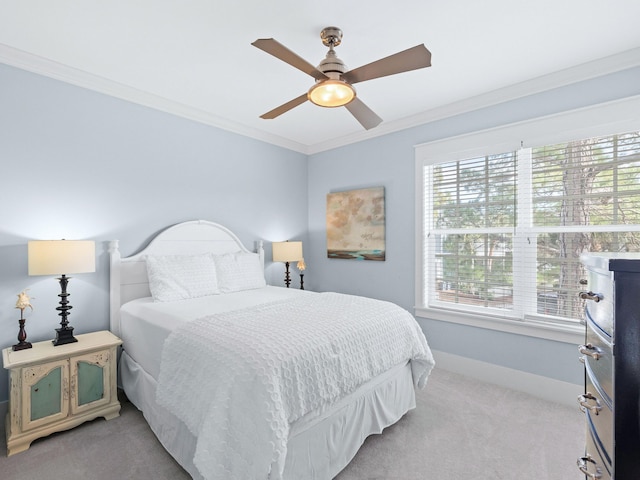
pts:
[596, 297]
[590, 350]
[583, 400]
[583, 467]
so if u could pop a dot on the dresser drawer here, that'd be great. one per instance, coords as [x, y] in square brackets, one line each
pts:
[599, 417]
[599, 306]
[593, 464]
[598, 360]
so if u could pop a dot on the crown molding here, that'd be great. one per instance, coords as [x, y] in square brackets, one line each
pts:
[43, 66]
[64, 73]
[604, 66]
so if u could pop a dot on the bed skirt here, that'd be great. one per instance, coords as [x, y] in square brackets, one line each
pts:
[319, 445]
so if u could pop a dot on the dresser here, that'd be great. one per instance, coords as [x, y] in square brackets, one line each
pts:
[611, 358]
[54, 388]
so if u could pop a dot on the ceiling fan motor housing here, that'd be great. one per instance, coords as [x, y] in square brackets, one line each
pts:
[332, 66]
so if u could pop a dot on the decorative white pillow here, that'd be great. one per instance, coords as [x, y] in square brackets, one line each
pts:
[239, 271]
[178, 277]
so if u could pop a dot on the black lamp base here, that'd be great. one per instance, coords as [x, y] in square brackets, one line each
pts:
[64, 336]
[287, 275]
[21, 346]
[22, 337]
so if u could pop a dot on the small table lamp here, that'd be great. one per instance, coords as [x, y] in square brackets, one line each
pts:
[61, 257]
[302, 267]
[287, 252]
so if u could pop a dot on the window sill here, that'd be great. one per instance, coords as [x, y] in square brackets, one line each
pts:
[573, 334]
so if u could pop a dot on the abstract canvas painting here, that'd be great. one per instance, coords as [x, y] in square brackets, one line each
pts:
[356, 224]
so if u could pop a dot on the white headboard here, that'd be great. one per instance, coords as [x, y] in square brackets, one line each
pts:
[128, 279]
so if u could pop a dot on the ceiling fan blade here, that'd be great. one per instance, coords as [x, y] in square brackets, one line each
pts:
[367, 117]
[405, 61]
[278, 50]
[285, 107]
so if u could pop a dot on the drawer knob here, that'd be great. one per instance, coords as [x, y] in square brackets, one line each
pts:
[583, 400]
[584, 467]
[596, 297]
[590, 350]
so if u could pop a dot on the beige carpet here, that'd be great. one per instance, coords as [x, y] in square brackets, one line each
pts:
[461, 429]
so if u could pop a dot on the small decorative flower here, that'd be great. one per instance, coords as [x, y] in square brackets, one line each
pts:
[23, 302]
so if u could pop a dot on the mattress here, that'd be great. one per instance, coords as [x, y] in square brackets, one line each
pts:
[154, 321]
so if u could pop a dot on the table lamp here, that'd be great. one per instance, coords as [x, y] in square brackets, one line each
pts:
[62, 257]
[287, 252]
[302, 267]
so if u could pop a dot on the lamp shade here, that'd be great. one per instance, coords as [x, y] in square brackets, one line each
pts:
[331, 93]
[287, 251]
[61, 257]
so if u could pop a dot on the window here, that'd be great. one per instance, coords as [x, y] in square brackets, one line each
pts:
[470, 230]
[503, 228]
[586, 198]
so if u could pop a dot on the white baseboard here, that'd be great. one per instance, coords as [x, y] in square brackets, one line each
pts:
[542, 387]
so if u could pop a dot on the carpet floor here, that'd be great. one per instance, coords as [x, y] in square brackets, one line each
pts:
[461, 429]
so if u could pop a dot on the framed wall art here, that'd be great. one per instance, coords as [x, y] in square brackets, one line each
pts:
[356, 224]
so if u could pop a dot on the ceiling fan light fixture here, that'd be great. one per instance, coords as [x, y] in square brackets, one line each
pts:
[331, 93]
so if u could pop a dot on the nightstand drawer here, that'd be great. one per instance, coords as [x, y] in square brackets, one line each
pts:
[91, 381]
[46, 388]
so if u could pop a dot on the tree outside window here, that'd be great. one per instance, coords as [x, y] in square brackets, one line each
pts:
[488, 220]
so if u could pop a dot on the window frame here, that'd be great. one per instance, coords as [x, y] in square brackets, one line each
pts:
[595, 121]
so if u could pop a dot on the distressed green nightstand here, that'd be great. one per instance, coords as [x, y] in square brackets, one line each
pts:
[57, 388]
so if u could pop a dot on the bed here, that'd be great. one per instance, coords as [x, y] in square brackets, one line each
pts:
[195, 355]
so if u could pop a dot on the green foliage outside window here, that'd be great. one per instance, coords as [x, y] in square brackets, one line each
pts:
[584, 196]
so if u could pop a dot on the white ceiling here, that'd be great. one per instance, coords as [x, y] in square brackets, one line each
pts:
[194, 57]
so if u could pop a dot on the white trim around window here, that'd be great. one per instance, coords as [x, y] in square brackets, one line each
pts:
[599, 120]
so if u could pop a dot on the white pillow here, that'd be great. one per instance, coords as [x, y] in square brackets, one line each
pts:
[239, 271]
[179, 277]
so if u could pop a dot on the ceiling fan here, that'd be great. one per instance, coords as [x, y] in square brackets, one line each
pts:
[334, 84]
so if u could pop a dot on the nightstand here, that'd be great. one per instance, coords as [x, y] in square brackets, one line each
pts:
[54, 388]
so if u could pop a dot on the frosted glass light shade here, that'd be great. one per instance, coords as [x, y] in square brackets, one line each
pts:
[61, 257]
[287, 251]
[331, 93]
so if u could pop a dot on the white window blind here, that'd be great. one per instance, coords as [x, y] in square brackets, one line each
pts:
[586, 198]
[473, 219]
[504, 232]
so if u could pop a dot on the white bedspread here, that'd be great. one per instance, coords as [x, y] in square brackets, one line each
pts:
[239, 379]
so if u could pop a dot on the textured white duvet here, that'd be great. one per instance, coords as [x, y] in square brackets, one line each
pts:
[238, 379]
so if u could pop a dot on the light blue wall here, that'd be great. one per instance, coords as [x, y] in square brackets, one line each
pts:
[80, 165]
[389, 161]
[77, 164]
